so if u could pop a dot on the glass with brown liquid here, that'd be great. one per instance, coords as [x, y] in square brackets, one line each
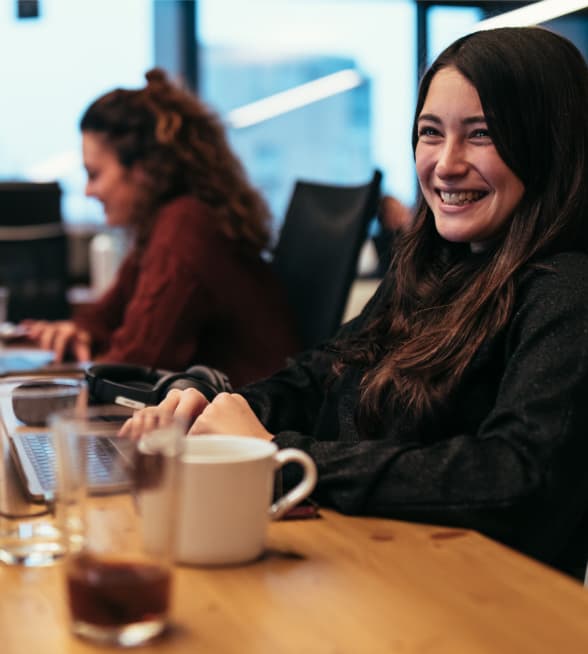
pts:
[118, 503]
[117, 601]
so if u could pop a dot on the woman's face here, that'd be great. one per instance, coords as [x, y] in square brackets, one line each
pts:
[470, 190]
[115, 186]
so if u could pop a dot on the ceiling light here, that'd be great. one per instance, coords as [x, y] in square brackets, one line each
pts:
[533, 14]
[294, 98]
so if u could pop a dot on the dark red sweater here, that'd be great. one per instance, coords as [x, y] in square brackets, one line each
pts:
[192, 297]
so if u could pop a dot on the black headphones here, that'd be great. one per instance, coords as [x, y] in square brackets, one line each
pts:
[140, 386]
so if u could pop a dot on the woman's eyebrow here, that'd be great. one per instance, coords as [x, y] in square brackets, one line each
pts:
[466, 121]
[430, 117]
[474, 119]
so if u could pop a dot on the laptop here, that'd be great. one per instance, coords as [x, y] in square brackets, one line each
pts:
[34, 456]
[23, 360]
[30, 360]
[33, 452]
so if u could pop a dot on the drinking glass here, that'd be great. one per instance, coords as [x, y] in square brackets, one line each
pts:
[30, 529]
[117, 498]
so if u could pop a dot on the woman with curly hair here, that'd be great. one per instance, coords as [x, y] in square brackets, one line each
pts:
[194, 287]
[460, 395]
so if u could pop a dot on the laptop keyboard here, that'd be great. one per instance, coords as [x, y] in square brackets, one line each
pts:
[103, 459]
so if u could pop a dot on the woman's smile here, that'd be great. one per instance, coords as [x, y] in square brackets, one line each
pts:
[460, 198]
[470, 190]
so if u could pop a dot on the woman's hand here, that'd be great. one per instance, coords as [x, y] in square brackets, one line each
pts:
[229, 413]
[61, 336]
[184, 406]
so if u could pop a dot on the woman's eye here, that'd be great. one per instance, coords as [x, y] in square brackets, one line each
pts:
[481, 133]
[428, 131]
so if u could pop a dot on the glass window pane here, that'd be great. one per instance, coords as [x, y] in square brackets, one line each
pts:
[269, 47]
[57, 64]
[446, 24]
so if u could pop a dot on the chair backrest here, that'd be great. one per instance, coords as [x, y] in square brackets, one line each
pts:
[318, 248]
[33, 250]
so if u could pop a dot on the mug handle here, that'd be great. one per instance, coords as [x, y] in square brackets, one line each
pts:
[302, 490]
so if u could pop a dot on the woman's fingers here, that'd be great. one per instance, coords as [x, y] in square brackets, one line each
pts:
[82, 350]
[208, 418]
[46, 336]
[189, 404]
[33, 328]
[171, 401]
[141, 422]
[229, 413]
[82, 345]
[58, 337]
[61, 340]
[182, 406]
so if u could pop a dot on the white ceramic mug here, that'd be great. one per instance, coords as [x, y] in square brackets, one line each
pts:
[225, 497]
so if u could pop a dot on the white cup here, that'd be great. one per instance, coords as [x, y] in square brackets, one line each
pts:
[225, 497]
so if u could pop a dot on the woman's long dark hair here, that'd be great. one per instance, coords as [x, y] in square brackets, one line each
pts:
[181, 146]
[446, 301]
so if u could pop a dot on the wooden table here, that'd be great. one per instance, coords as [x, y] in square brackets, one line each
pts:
[337, 585]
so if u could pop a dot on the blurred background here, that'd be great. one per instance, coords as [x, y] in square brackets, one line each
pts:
[312, 89]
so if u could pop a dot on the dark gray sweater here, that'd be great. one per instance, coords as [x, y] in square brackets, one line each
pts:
[509, 456]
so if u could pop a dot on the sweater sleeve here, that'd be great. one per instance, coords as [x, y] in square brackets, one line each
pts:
[515, 476]
[102, 317]
[151, 329]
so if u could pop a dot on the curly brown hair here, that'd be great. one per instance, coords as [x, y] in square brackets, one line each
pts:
[181, 146]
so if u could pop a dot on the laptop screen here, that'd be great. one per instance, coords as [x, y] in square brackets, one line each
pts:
[21, 360]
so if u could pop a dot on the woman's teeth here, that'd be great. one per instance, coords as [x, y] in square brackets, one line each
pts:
[462, 197]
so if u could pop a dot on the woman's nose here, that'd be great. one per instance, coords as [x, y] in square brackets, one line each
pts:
[452, 161]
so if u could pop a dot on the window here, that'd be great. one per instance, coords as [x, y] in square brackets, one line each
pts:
[315, 89]
[52, 67]
[341, 81]
[446, 24]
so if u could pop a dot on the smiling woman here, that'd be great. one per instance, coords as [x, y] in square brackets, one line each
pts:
[115, 186]
[458, 396]
[469, 188]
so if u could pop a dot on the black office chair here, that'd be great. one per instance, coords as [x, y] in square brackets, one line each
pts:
[318, 248]
[33, 250]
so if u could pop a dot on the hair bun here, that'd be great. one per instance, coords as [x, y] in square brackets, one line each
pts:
[156, 76]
